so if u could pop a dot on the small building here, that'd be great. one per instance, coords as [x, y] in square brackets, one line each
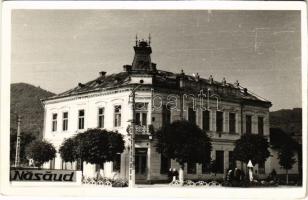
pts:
[226, 111]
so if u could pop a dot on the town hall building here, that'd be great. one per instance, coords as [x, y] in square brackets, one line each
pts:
[226, 112]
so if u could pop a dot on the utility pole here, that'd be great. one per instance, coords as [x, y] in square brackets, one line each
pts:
[131, 171]
[131, 182]
[17, 155]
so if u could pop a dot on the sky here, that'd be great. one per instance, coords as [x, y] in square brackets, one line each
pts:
[57, 49]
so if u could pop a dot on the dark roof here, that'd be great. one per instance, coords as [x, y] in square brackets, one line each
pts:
[165, 80]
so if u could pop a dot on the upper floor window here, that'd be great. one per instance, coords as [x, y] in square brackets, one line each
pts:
[206, 120]
[191, 115]
[260, 125]
[54, 122]
[248, 124]
[117, 116]
[81, 119]
[65, 121]
[166, 114]
[232, 122]
[141, 114]
[219, 121]
[101, 117]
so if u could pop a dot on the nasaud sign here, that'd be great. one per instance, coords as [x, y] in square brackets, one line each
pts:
[43, 175]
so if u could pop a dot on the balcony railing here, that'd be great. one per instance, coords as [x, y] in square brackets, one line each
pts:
[140, 130]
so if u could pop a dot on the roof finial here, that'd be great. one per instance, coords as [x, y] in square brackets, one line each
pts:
[149, 39]
[136, 39]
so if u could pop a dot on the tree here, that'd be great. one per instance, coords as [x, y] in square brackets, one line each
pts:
[25, 139]
[185, 142]
[40, 152]
[68, 150]
[286, 159]
[93, 146]
[251, 147]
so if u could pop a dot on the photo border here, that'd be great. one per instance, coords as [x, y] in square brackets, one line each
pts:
[169, 192]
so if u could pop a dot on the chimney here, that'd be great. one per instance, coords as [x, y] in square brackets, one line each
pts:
[237, 84]
[224, 82]
[102, 73]
[211, 80]
[245, 91]
[182, 81]
[197, 76]
[154, 67]
[127, 68]
[80, 85]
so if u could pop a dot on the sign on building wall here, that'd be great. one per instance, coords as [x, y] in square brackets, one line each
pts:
[43, 175]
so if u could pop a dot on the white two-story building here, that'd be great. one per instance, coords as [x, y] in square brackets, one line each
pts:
[226, 112]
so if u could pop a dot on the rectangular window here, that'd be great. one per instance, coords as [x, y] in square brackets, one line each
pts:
[117, 163]
[99, 167]
[141, 118]
[54, 122]
[78, 164]
[261, 126]
[261, 167]
[206, 168]
[101, 117]
[65, 121]
[248, 124]
[219, 162]
[67, 165]
[232, 163]
[219, 121]
[165, 164]
[166, 114]
[81, 119]
[191, 115]
[117, 116]
[52, 164]
[191, 168]
[231, 122]
[206, 120]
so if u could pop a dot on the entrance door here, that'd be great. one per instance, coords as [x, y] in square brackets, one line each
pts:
[141, 163]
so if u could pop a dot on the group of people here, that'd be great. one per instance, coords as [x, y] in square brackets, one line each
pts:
[235, 176]
[173, 175]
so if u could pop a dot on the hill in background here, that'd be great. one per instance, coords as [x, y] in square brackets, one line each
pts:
[25, 101]
[289, 120]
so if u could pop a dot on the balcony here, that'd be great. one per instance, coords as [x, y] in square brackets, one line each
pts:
[140, 129]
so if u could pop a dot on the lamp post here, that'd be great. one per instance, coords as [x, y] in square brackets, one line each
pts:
[17, 153]
[131, 172]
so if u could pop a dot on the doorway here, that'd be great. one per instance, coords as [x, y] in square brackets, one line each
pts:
[141, 163]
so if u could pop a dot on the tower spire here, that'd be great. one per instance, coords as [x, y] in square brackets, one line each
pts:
[136, 39]
[149, 39]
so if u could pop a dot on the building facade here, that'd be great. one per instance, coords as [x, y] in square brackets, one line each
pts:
[224, 110]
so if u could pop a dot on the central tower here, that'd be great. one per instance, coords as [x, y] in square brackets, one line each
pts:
[142, 58]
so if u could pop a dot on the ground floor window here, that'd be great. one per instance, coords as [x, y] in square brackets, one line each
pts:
[165, 164]
[261, 167]
[99, 167]
[232, 163]
[78, 164]
[67, 165]
[117, 163]
[206, 168]
[220, 162]
[52, 163]
[191, 168]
